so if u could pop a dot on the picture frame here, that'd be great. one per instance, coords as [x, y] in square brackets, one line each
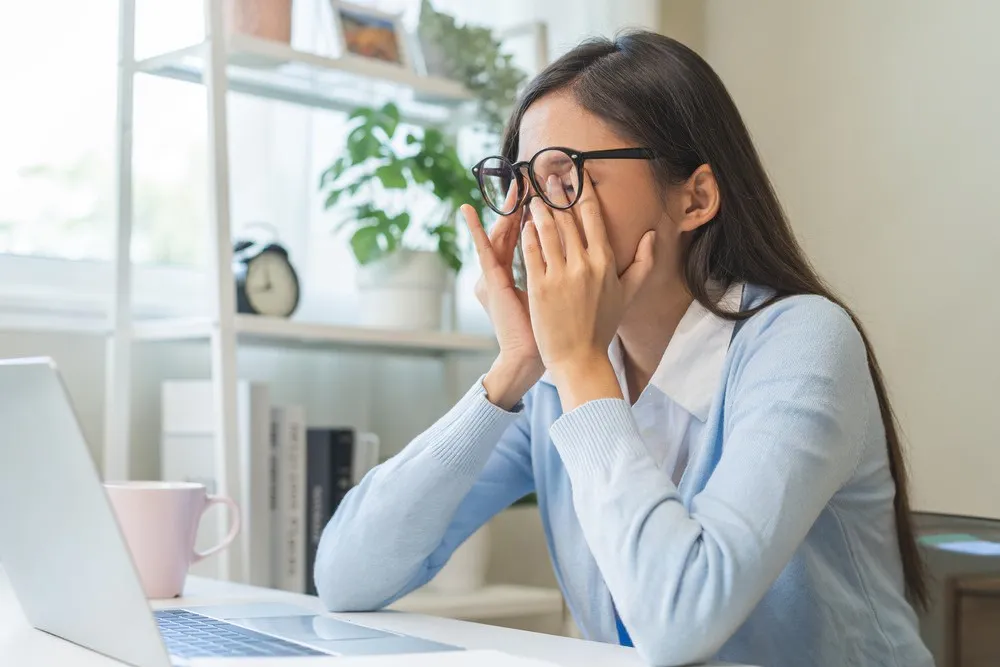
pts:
[369, 34]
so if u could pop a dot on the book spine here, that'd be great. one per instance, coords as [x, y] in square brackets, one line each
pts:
[254, 407]
[279, 501]
[343, 465]
[324, 464]
[319, 497]
[295, 513]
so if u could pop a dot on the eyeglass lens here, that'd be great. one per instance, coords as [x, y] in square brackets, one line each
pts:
[497, 174]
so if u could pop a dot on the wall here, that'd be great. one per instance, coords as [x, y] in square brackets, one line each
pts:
[878, 124]
[684, 20]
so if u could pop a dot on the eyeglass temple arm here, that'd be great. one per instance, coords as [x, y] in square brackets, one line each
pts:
[623, 153]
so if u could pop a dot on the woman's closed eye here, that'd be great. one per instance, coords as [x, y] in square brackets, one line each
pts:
[555, 185]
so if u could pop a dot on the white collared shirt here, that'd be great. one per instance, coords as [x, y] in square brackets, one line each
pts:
[671, 411]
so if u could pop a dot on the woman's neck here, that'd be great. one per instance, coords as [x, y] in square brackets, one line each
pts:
[646, 331]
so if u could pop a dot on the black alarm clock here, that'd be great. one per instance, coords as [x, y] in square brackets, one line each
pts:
[266, 283]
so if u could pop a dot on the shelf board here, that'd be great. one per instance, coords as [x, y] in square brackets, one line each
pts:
[274, 70]
[274, 331]
[489, 602]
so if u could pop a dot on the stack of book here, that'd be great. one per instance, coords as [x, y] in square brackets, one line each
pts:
[293, 477]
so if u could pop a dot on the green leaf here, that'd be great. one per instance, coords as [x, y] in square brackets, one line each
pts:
[401, 222]
[334, 172]
[444, 232]
[389, 118]
[391, 175]
[412, 139]
[362, 112]
[332, 198]
[352, 189]
[417, 170]
[433, 138]
[391, 242]
[364, 242]
[363, 145]
[450, 254]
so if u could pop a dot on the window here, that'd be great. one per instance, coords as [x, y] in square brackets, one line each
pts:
[57, 164]
[57, 154]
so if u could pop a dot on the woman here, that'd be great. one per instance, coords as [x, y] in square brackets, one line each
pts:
[717, 466]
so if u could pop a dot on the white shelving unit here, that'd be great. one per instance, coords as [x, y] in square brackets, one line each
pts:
[256, 330]
[275, 71]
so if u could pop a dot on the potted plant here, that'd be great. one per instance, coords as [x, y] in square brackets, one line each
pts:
[404, 186]
[472, 56]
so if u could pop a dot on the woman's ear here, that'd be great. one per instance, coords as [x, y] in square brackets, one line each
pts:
[701, 197]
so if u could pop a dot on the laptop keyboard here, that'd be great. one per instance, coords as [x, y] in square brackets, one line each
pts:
[189, 635]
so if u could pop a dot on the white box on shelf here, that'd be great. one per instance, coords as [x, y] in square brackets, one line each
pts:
[187, 453]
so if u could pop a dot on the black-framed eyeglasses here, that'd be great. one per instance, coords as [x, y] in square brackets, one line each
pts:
[496, 173]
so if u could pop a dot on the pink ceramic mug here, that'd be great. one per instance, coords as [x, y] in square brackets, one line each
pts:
[160, 523]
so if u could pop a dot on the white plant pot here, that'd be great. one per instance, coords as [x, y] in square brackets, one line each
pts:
[466, 570]
[404, 291]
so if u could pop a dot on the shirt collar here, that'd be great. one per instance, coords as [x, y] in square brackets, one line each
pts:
[688, 372]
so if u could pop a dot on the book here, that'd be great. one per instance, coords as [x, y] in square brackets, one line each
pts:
[288, 498]
[329, 475]
[187, 453]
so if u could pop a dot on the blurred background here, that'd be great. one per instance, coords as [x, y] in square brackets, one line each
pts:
[876, 120]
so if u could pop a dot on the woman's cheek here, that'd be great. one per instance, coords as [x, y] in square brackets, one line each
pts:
[622, 238]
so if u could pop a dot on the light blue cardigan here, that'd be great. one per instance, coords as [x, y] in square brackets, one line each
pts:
[778, 547]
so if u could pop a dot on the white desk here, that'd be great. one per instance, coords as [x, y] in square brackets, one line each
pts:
[21, 645]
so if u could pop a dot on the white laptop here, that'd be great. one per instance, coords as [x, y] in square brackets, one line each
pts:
[67, 562]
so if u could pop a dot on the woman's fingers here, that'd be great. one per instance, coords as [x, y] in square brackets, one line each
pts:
[565, 222]
[640, 268]
[589, 209]
[548, 235]
[531, 247]
[503, 238]
[487, 258]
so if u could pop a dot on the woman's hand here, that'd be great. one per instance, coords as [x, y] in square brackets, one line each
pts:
[576, 297]
[519, 366]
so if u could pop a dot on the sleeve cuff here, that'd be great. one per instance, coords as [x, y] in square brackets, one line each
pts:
[595, 435]
[473, 432]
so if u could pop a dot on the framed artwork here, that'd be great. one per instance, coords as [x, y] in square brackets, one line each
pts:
[364, 32]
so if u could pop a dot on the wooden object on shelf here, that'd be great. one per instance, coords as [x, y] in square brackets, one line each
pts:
[972, 612]
[266, 19]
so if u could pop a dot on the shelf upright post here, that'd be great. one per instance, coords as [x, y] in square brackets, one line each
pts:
[235, 563]
[118, 347]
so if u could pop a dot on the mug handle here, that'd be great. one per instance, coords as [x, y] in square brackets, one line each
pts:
[234, 529]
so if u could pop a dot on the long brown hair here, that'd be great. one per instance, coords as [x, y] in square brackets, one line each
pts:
[662, 95]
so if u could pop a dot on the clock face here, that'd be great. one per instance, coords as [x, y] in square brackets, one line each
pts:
[271, 286]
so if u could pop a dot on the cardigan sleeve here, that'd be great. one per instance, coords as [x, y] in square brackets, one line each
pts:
[684, 580]
[396, 529]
